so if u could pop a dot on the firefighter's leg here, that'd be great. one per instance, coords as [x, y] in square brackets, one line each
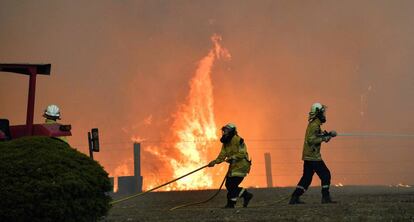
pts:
[304, 182]
[233, 190]
[325, 175]
[246, 195]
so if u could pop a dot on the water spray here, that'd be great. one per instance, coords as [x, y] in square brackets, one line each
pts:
[360, 134]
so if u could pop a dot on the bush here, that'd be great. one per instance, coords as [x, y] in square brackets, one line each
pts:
[44, 179]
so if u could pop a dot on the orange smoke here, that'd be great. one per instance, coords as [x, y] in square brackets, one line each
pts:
[193, 129]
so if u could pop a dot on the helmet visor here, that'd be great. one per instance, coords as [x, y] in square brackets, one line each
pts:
[225, 130]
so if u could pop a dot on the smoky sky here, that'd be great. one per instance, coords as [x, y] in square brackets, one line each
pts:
[124, 66]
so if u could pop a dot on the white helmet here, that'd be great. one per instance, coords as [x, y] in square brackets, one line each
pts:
[53, 111]
[316, 107]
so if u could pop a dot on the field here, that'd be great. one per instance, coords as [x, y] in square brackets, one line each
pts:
[356, 203]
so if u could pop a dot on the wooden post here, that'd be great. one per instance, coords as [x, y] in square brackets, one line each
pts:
[268, 165]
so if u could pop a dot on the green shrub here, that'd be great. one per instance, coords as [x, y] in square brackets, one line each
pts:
[44, 179]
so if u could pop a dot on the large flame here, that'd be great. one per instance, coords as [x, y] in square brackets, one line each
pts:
[194, 123]
[193, 128]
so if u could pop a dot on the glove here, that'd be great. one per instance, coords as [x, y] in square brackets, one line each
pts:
[65, 127]
[333, 133]
[212, 163]
[326, 138]
[230, 160]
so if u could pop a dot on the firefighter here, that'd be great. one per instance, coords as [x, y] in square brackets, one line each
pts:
[234, 151]
[311, 156]
[51, 115]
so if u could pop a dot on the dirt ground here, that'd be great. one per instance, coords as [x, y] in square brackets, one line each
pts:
[356, 203]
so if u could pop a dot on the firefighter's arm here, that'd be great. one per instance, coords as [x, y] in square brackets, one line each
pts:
[314, 136]
[220, 158]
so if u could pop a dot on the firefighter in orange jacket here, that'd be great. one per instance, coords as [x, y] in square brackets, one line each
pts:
[311, 156]
[234, 151]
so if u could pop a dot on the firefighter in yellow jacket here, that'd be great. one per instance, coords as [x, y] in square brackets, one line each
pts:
[311, 156]
[234, 151]
[51, 115]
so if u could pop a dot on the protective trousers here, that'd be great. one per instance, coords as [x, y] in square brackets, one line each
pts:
[309, 168]
[233, 189]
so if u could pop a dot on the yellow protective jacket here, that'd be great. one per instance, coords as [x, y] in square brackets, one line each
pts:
[236, 152]
[313, 140]
[63, 138]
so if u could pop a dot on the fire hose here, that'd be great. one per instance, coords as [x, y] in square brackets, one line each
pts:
[180, 206]
[204, 201]
[142, 193]
[207, 200]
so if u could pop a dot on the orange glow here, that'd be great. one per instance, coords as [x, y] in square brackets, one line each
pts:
[121, 170]
[130, 76]
[137, 139]
[193, 129]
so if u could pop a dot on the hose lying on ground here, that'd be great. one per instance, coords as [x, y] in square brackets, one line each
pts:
[188, 204]
[281, 199]
[139, 194]
[201, 202]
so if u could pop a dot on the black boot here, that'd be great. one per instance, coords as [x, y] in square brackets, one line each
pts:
[230, 204]
[246, 198]
[327, 200]
[295, 199]
[326, 196]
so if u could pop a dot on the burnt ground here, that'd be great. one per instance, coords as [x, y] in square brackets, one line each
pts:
[356, 203]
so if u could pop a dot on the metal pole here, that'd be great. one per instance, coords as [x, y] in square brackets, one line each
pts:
[137, 159]
[137, 166]
[31, 100]
[90, 145]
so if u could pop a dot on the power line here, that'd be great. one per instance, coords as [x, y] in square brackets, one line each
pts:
[298, 149]
[336, 174]
[253, 140]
